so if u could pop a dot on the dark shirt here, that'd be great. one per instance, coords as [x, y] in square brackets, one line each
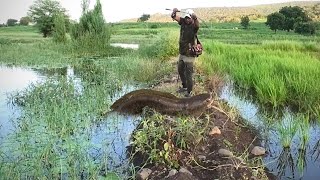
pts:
[187, 36]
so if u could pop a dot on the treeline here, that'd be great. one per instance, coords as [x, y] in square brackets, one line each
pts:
[291, 18]
[234, 14]
[24, 21]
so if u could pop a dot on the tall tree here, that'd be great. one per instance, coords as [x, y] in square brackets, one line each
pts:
[275, 21]
[43, 13]
[293, 15]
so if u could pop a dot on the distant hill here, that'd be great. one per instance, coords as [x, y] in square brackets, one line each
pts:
[233, 14]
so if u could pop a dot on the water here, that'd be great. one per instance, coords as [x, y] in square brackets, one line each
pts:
[109, 138]
[12, 79]
[126, 46]
[293, 163]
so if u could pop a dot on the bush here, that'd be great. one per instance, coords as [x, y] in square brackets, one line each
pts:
[154, 26]
[91, 34]
[305, 28]
[245, 22]
[11, 22]
[166, 46]
[59, 33]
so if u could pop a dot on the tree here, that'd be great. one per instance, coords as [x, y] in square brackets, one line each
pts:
[59, 33]
[305, 28]
[245, 22]
[144, 18]
[25, 21]
[275, 21]
[43, 12]
[11, 22]
[293, 15]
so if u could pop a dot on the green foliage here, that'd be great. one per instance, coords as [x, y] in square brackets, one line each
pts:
[154, 26]
[91, 34]
[53, 136]
[287, 128]
[24, 21]
[280, 74]
[144, 18]
[59, 33]
[161, 138]
[245, 22]
[11, 22]
[275, 21]
[305, 28]
[43, 12]
[293, 15]
[164, 47]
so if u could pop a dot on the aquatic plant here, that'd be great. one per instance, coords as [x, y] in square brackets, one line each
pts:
[287, 128]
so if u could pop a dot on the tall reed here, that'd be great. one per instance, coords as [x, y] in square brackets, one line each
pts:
[281, 74]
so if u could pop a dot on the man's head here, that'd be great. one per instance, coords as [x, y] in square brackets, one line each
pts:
[188, 13]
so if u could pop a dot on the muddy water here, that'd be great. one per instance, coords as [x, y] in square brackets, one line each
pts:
[293, 163]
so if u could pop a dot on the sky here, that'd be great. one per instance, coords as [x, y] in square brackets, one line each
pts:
[117, 10]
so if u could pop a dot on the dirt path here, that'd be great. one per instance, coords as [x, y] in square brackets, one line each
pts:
[224, 149]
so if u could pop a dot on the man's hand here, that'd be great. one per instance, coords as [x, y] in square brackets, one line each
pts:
[174, 12]
[194, 16]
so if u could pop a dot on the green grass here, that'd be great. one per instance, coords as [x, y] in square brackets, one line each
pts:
[257, 33]
[281, 73]
[53, 133]
[51, 141]
[20, 34]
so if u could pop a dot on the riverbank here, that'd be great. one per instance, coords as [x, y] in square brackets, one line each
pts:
[216, 145]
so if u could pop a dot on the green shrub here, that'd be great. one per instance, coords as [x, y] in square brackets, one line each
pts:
[166, 46]
[59, 31]
[91, 34]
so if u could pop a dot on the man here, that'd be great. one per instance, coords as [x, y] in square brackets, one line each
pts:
[189, 26]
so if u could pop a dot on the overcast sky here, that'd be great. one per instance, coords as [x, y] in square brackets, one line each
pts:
[123, 9]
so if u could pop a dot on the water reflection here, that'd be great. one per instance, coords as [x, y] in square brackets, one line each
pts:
[13, 79]
[301, 160]
[114, 132]
[107, 139]
[126, 46]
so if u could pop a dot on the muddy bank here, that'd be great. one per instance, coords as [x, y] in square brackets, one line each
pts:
[216, 145]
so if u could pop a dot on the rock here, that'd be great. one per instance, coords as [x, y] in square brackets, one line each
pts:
[172, 173]
[144, 174]
[182, 176]
[184, 170]
[202, 157]
[215, 130]
[258, 151]
[224, 152]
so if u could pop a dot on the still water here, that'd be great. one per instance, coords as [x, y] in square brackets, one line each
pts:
[115, 130]
[109, 138]
[293, 163]
[12, 79]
